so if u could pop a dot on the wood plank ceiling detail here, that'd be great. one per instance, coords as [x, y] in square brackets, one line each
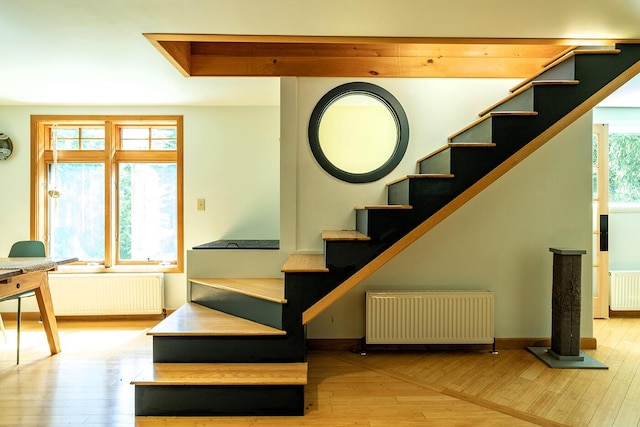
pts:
[280, 56]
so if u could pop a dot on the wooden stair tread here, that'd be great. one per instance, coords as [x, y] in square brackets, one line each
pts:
[383, 207]
[305, 263]
[223, 374]
[422, 176]
[457, 144]
[193, 319]
[344, 235]
[528, 84]
[270, 289]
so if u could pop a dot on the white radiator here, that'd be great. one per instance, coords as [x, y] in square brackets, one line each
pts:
[429, 317]
[107, 294]
[625, 290]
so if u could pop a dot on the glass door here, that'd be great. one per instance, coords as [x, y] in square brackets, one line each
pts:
[600, 185]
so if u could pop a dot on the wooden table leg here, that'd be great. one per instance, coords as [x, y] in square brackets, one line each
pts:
[45, 304]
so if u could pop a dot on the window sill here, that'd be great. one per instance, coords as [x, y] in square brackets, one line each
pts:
[101, 269]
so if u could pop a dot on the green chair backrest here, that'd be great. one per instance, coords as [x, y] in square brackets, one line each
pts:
[27, 249]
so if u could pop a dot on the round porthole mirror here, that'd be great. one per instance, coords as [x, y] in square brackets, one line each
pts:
[358, 132]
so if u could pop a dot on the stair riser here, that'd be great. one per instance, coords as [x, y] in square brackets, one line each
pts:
[385, 225]
[565, 70]
[207, 400]
[245, 306]
[522, 102]
[350, 254]
[462, 162]
[226, 349]
[479, 133]
[438, 163]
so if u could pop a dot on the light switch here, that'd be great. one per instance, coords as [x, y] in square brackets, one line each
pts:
[200, 204]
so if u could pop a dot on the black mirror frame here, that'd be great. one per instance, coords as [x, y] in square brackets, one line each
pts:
[383, 96]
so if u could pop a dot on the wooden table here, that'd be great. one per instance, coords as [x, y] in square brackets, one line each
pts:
[16, 277]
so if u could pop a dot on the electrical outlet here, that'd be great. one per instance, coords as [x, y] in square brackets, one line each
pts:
[200, 204]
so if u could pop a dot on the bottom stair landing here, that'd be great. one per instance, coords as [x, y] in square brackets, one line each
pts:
[183, 389]
[215, 384]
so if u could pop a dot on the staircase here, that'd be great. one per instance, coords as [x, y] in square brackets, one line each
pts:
[238, 346]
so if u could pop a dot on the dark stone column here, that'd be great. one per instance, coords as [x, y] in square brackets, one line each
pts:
[565, 304]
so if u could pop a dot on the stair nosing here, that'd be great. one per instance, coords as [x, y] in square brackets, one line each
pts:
[348, 235]
[315, 265]
[457, 144]
[243, 374]
[384, 207]
[422, 176]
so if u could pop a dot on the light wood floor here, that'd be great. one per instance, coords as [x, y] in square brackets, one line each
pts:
[88, 384]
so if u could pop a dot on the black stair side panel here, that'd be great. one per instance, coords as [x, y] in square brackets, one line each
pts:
[305, 289]
[230, 349]
[212, 400]
[349, 254]
[387, 225]
[472, 163]
[256, 309]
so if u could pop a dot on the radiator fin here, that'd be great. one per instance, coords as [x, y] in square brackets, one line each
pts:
[625, 290]
[107, 294]
[429, 317]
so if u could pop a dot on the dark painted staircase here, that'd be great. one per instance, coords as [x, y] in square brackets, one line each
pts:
[238, 348]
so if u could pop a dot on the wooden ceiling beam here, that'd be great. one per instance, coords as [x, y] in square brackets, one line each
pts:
[279, 56]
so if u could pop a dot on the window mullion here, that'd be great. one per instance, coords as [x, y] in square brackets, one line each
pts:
[110, 194]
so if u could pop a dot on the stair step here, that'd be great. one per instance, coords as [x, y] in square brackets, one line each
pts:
[344, 235]
[305, 263]
[522, 98]
[457, 144]
[529, 84]
[221, 389]
[270, 289]
[193, 319]
[384, 207]
[566, 57]
[162, 374]
[422, 176]
[483, 121]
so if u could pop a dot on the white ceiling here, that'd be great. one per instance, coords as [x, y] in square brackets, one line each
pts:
[92, 52]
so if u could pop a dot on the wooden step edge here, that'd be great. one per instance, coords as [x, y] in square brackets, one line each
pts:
[549, 83]
[344, 235]
[191, 320]
[519, 89]
[512, 113]
[384, 207]
[422, 176]
[305, 263]
[225, 374]
[472, 144]
[562, 55]
[269, 289]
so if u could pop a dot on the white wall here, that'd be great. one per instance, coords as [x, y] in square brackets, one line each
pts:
[231, 159]
[499, 241]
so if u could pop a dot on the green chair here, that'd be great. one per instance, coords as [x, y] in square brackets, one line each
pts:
[23, 249]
